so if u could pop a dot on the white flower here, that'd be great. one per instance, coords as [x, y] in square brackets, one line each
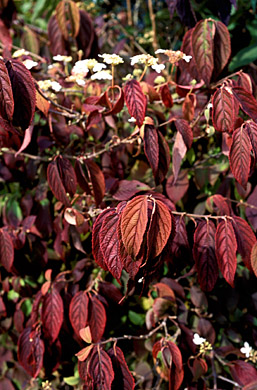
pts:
[61, 58]
[186, 58]
[81, 82]
[30, 64]
[139, 59]
[160, 51]
[99, 66]
[111, 59]
[102, 75]
[56, 86]
[158, 67]
[19, 53]
[132, 119]
[246, 349]
[209, 105]
[197, 340]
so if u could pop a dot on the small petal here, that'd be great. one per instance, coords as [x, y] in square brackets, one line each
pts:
[102, 75]
[98, 67]
[132, 119]
[186, 58]
[158, 67]
[197, 340]
[160, 51]
[246, 349]
[30, 64]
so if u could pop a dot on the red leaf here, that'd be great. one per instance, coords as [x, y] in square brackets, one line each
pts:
[97, 179]
[118, 104]
[178, 153]
[176, 191]
[78, 311]
[109, 244]
[30, 351]
[6, 250]
[239, 156]
[188, 107]
[96, 249]
[5, 36]
[180, 240]
[247, 101]
[135, 100]
[67, 175]
[26, 139]
[244, 81]
[159, 230]
[151, 147]
[243, 373]
[226, 246]
[52, 314]
[224, 111]
[133, 224]
[251, 129]
[24, 93]
[254, 258]
[129, 188]
[222, 47]
[250, 212]
[202, 45]
[164, 159]
[100, 370]
[122, 376]
[55, 183]
[204, 255]
[222, 207]
[245, 240]
[185, 130]
[6, 95]
[166, 96]
[176, 372]
[96, 319]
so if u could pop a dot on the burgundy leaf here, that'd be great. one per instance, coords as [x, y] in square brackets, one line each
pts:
[245, 239]
[97, 179]
[52, 314]
[122, 376]
[135, 100]
[239, 156]
[243, 373]
[222, 47]
[185, 130]
[176, 371]
[6, 94]
[151, 147]
[178, 153]
[244, 81]
[6, 250]
[109, 244]
[188, 107]
[171, 6]
[250, 212]
[96, 318]
[24, 93]
[55, 183]
[254, 259]
[226, 246]
[222, 207]
[129, 188]
[206, 330]
[202, 45]
[100, 370]
[180, 240]
[86, 38]
[57, 42]
[67, 175]
[78, 311]
[26, 140]
[189, 67]
[117, 105]
[204, 254]
[30, 351]
[224, 110]
[133, 224]
[81, 177]
[176, 191]
[96, 249]
[247, 101]
[164, 159]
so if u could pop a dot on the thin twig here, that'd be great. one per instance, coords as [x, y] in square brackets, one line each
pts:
[229, 381]
[152, 17]
[29, 52]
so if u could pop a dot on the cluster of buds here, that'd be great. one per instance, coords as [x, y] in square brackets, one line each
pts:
[148, 61]
[45, 85]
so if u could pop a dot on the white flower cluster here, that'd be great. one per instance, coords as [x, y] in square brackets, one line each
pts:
[148, 60]
[30, 63]
[45, 85]
[111, 59]
[174, 56]
[61, 58]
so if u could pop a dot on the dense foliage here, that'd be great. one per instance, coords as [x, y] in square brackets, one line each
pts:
[128, 197]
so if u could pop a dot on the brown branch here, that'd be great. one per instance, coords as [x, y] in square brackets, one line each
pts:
[152, 17]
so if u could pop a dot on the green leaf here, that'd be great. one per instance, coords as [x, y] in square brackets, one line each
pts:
[71, 380]
[135, 318]
[12, 295]
[243, 57]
